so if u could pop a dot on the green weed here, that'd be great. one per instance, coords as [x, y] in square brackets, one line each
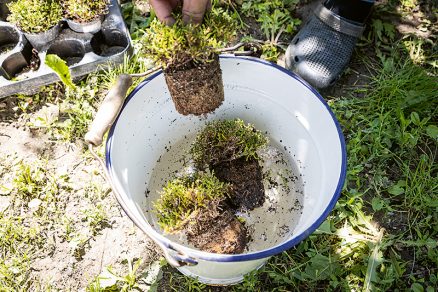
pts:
[275, 19]
[24, 221]
[175, 281]
[137, 22]
[59, 66]
[34, 182]
[391, 156]
[96, 218]
[108, 280]
[131, 65]
[18, 244]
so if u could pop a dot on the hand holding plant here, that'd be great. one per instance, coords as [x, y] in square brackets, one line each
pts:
[193, 10]
[189, 56]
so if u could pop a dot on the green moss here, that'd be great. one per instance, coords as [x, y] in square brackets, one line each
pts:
[222, 141]
[35, 16]
[182, 199]
[85, 10]
[180, 44]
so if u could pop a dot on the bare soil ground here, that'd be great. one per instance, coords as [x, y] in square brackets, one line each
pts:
[72, 255]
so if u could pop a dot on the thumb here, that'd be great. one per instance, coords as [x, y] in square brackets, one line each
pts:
[163, 9]
[194, 10]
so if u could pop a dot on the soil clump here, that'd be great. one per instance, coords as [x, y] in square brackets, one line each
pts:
[246, 179]
[196, 88]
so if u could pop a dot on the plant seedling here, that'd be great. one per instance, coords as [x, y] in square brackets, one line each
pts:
[189, 56]
[225, 141]
[229, 148]
[35, 16]
[195, 205]
[183, 198]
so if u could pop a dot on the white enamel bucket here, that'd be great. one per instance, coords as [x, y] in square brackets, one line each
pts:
[261, 93]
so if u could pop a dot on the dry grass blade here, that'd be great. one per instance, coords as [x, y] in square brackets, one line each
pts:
[373, 261]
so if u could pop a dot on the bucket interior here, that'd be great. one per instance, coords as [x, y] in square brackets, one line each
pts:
[149, 139]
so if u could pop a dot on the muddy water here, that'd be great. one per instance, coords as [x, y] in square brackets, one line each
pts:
[268, 225]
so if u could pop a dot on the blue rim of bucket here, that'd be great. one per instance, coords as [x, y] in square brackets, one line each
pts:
[264, 253]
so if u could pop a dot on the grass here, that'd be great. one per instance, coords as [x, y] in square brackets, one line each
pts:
[33, 208]
[391, 153]
[17, 244]
[131, 280]
[382, 234]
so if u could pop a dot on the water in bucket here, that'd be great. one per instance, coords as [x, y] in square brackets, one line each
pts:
[267, 225]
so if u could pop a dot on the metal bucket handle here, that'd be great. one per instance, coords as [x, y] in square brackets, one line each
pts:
[105, 117]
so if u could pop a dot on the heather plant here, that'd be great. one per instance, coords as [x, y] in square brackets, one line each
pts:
[85, 11]
[179, 44]
[35, 16]
[227, 140]
[184, 198]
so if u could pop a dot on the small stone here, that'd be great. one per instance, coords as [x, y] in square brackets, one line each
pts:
[4, 203]
[6, 189]
[34, 204]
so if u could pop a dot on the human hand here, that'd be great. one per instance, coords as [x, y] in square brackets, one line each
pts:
[193, 10]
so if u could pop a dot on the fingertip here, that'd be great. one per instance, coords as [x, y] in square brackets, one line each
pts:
[194, 10]
[163, 10]
[191, 18]
[168, 20]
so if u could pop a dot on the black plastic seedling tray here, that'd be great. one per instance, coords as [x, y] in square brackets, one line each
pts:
[83, 52]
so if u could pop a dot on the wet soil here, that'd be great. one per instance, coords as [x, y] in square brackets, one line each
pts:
[196, 89]
[217, 231]
[246, 179]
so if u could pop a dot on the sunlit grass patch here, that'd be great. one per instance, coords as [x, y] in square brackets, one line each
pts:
[18, 244]
[381, 234]
[392, 148]
[35, 217]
